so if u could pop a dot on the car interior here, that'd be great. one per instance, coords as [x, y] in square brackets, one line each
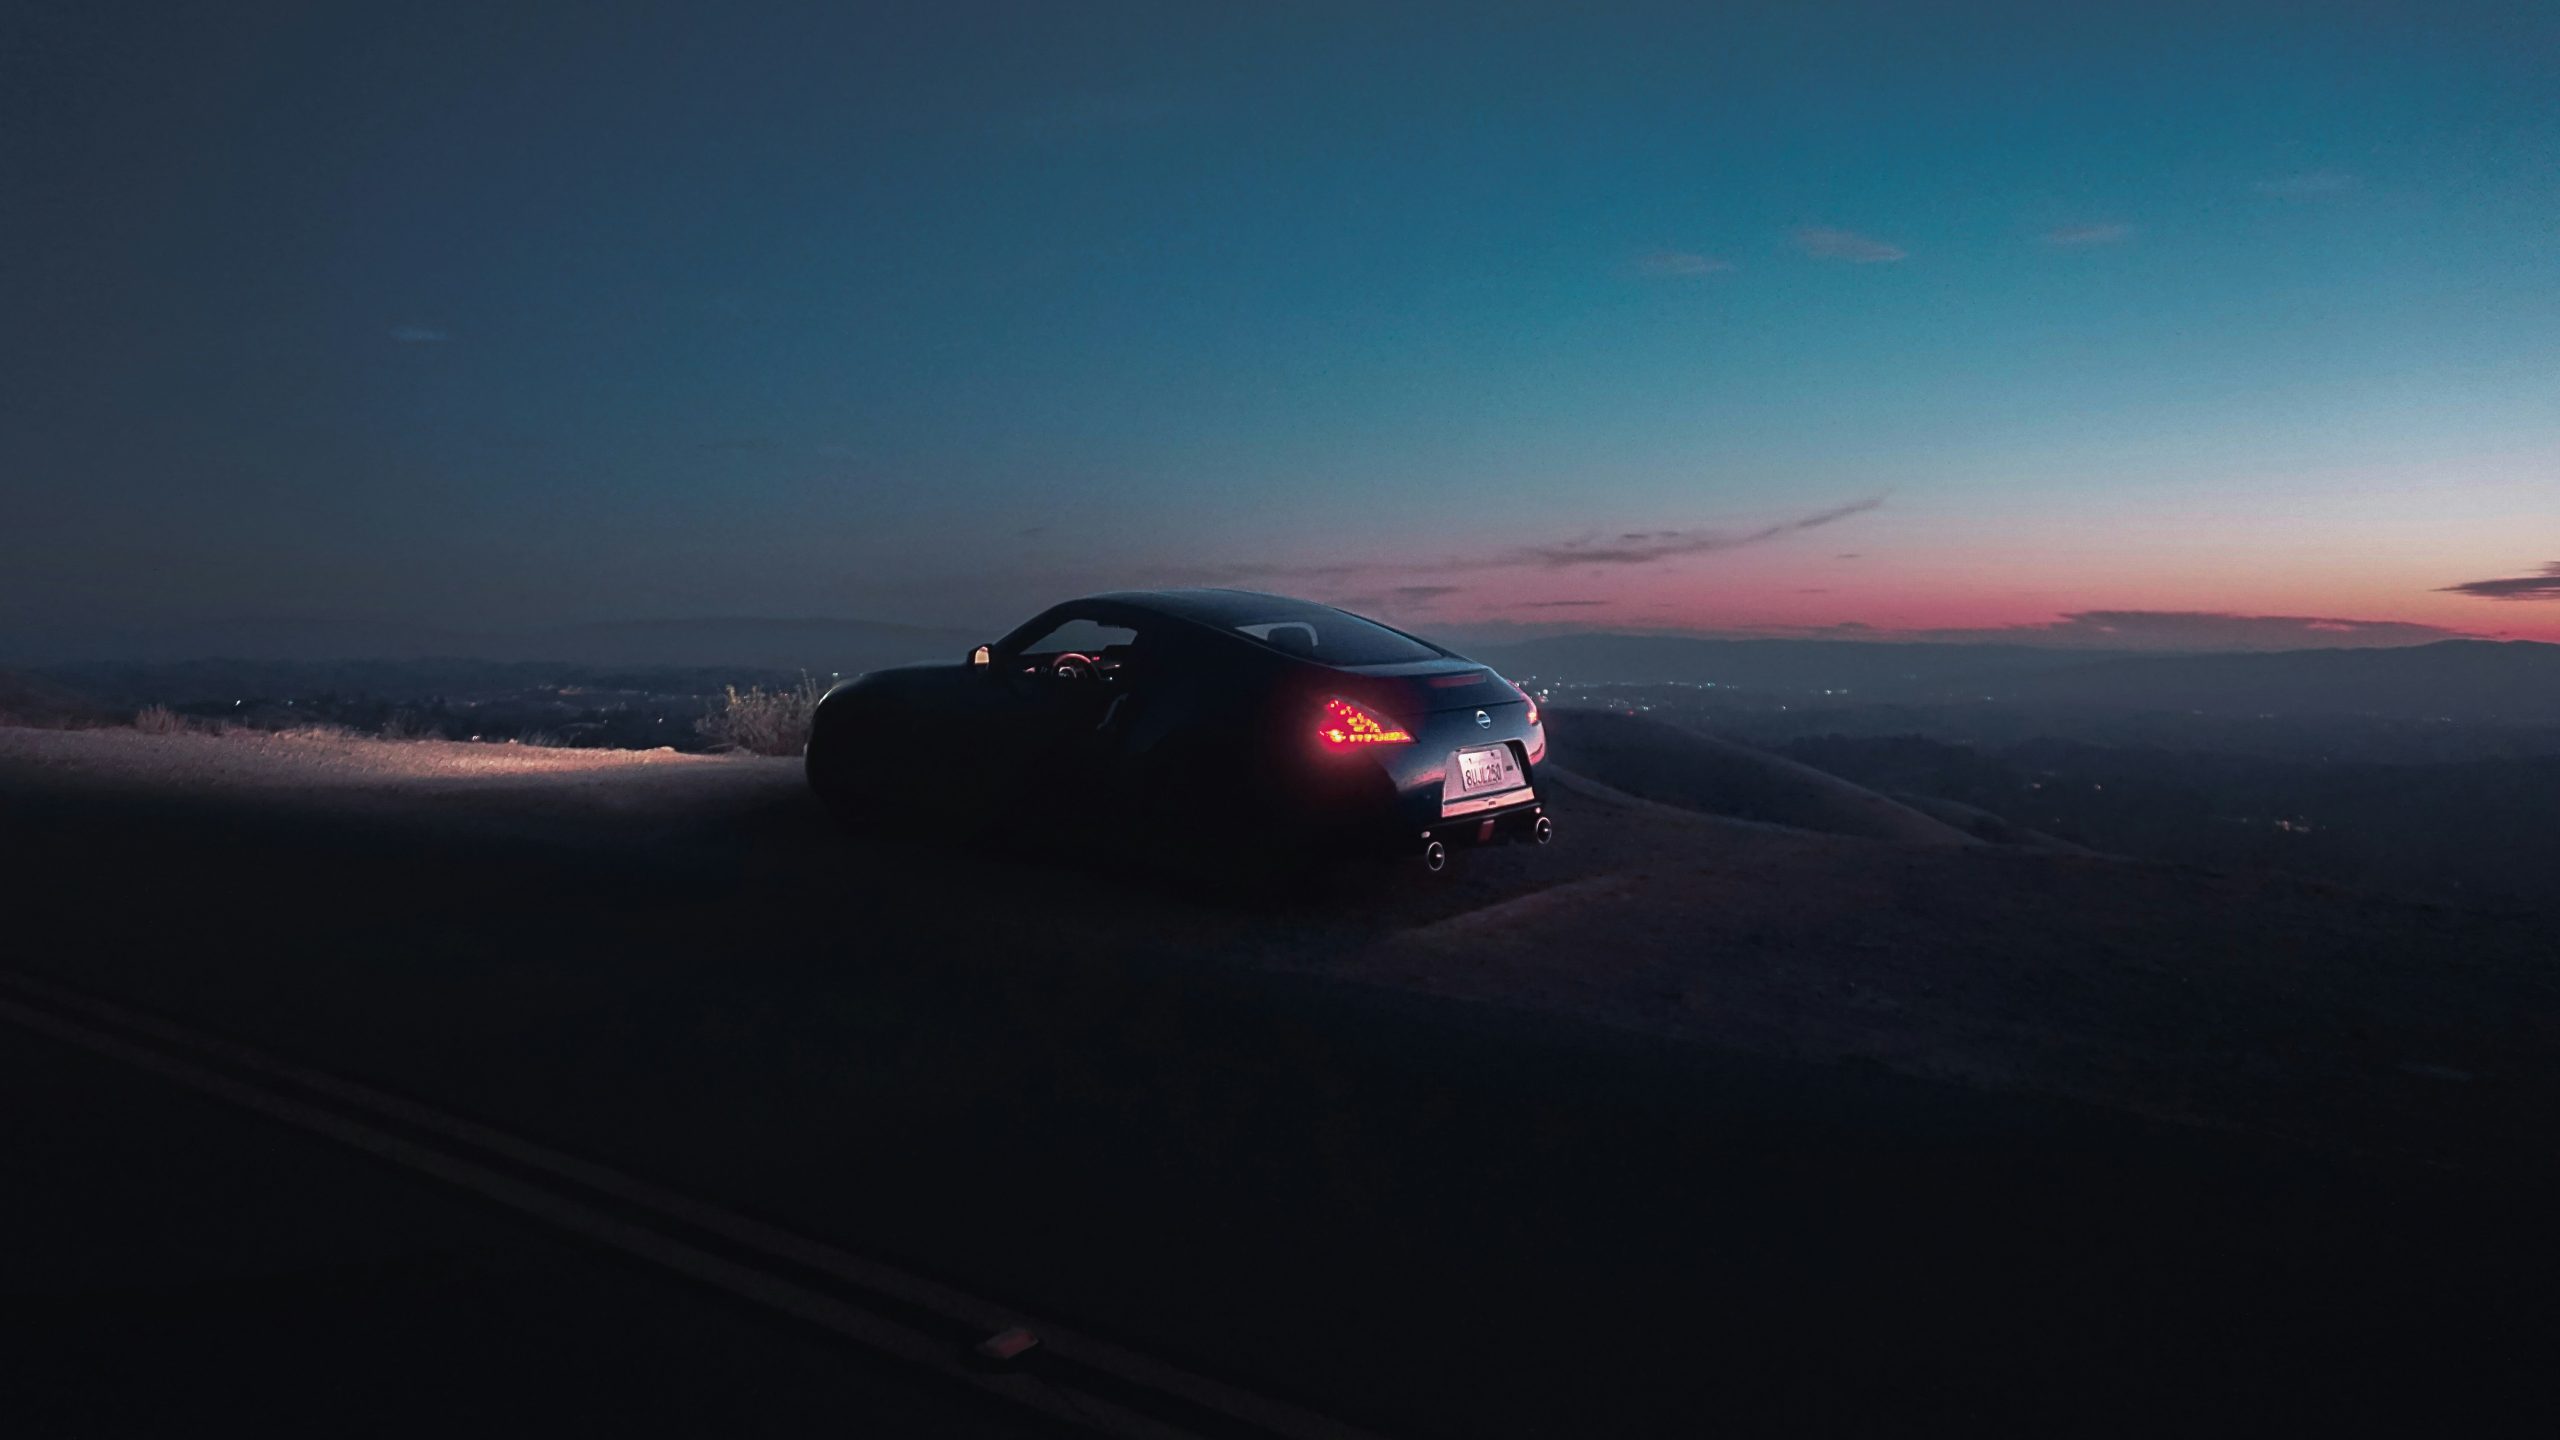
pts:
[1080, 652]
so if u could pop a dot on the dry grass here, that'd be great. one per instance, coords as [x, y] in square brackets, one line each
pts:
[761, 721]
[410, 727]
[160, 720]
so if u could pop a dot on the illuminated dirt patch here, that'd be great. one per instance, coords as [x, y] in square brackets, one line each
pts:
[306, 759]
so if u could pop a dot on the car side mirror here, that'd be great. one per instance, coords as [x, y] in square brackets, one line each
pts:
[981, 657]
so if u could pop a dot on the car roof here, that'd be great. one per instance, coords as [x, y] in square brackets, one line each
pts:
[1224, 609]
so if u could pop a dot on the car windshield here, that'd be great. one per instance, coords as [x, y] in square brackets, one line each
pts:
[1088, 637]
[1337, 638]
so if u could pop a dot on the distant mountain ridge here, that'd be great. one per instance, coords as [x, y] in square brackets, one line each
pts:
[41, 701]
[2513, 681]
[1898, 667]
[783, 644]
[817, 644]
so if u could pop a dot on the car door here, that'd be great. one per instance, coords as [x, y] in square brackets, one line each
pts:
[1065, 681]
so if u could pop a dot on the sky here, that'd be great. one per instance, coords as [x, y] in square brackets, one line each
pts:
[2236, 324]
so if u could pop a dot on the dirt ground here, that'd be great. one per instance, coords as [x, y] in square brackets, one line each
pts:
[1679, 1117]
[2252, 1003]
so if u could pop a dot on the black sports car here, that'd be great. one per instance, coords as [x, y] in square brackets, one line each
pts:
[1194, 718]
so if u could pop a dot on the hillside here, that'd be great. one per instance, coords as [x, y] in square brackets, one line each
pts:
[1649, 760]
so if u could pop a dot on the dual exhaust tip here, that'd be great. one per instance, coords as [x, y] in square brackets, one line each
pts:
[1435, 855]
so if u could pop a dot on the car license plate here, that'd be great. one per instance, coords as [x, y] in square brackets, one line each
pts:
[1487, 769]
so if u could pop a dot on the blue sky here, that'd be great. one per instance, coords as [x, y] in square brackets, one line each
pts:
[546, 312]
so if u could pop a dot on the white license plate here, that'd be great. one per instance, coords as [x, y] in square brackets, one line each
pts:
[1487, 769]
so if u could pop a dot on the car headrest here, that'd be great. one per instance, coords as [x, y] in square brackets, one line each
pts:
[1296, 639]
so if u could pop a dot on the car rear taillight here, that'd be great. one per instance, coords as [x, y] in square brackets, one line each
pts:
[1533, 702]
[1345, 725]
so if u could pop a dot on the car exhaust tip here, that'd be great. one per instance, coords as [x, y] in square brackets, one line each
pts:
[1544, 832]
[1435, 857]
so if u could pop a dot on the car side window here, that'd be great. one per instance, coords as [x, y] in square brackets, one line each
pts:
[1083, 637]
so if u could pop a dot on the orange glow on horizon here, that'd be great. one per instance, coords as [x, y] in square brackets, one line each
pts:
[1928, 599]
[2250, 555]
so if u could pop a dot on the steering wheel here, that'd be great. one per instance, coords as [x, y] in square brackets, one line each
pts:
[1073, 667]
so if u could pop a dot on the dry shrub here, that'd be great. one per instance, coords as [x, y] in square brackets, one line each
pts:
[410, 727]
[160, 720]
[761, 721]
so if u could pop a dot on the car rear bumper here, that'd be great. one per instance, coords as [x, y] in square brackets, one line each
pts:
[1404, 798]
[1514, 820]
[1431, 799]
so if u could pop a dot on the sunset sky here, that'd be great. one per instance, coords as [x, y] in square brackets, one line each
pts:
[1803, 319]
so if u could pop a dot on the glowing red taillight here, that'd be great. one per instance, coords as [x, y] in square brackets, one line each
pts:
[1533, 702]
[1344, 725]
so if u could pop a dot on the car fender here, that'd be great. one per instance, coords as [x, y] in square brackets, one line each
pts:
[909, 728]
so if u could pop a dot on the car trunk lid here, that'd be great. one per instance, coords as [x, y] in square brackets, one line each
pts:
[1429, 687]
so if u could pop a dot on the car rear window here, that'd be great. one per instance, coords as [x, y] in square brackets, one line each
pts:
[1336, 638]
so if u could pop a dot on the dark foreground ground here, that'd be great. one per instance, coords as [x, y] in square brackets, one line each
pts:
[1561, 1148]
